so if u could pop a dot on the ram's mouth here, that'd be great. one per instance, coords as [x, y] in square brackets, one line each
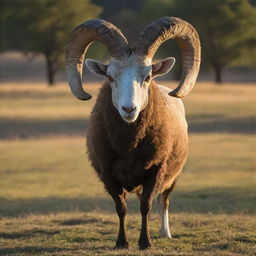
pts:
[130, 118]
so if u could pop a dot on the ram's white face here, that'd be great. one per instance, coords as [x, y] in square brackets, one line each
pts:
[129, 80]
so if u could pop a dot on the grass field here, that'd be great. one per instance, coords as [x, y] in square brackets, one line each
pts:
[51, 202]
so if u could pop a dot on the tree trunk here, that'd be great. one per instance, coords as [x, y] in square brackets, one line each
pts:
[218, 73]
[51, 71]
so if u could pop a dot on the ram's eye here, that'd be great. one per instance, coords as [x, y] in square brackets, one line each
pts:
[111, 80]
[148, 78]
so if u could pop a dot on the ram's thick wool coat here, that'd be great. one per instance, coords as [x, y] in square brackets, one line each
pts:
[128, 152]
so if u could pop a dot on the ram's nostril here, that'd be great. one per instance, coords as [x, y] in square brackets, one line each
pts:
[128, 109]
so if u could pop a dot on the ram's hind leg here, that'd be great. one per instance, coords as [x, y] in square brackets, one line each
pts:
[139, 194]
[163, 205]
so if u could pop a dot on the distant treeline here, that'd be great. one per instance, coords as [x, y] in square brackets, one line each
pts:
[226, 27]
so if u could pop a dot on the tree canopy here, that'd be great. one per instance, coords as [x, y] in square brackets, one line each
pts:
[226, 28]
[43, 26]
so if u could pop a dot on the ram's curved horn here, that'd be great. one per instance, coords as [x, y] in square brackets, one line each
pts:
[188, 40]
[80, 39]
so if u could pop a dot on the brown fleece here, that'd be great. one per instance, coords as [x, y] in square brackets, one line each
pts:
[127, 152]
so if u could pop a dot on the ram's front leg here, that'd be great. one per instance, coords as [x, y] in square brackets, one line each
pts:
[119, 196]
[149, 186]
[121, 209]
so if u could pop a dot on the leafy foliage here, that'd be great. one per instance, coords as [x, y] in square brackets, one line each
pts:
[226, 28]
[43, 26]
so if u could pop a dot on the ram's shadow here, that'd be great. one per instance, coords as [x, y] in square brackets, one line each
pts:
[209, 200]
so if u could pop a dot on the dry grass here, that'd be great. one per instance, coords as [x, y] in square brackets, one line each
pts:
[94, 233]
[51, 202]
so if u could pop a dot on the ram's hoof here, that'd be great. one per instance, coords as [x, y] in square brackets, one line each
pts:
[121, 245]
[144, 244]
[165, 234]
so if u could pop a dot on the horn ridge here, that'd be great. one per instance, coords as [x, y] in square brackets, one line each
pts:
[157, 32]
[80, 40]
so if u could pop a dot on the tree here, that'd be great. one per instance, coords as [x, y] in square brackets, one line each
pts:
[124, 14]
[151, 12]
[226, 28]
[43, 26]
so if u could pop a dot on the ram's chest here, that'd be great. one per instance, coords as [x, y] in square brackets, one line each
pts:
[129, 174]
[135, 158]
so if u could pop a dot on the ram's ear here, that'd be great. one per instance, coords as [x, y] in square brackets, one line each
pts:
[162, 67]
[96, 67]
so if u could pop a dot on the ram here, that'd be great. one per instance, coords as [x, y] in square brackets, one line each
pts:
[137, 138]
